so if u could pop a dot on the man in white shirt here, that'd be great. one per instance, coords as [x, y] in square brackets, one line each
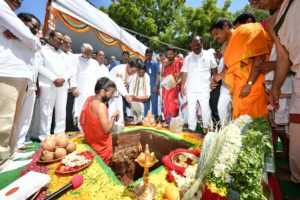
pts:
[13, 72]
[69, 59]
[54, 90]
[197, 70]
[85, 77]
[122, 76]
[139, 90]
[102, 70]
[35, 62]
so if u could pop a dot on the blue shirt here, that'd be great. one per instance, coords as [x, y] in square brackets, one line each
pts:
[152, 70]
[115, 63]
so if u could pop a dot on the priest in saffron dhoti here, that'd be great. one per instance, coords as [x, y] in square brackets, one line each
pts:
[171, 82]
[139, 89]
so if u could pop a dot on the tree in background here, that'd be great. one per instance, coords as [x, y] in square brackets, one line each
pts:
[259, 14]
[171, 21]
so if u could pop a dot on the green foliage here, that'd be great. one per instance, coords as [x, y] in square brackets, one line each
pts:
[247, 172]
[171, 21]
[259, 14]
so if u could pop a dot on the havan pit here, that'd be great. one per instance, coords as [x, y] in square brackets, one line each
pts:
[127, 147]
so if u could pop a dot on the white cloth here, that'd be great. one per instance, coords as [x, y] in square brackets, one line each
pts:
[29, 101]
[13, 62]
[121, 78]
[198, 68]
[69, 61]
[85, 79]
[136, 80]
[102, 71]
[139, 86]
[203, 99]
[289, 34]
[54, 62]
[92, 16]
[52, 96]
[224, 108]
[281, 116]
[26, 116]
[289, 38]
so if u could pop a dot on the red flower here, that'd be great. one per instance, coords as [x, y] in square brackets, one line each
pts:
[170, 176]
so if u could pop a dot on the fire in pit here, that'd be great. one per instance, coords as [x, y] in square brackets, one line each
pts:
[127, 147]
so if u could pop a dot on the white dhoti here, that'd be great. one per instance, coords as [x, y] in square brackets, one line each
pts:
[203, 99]
[53, 98]
[26, 116]
[34, 130]
[116, 104]
[224, 108]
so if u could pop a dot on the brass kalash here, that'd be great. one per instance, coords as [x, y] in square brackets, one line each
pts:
[146, 190]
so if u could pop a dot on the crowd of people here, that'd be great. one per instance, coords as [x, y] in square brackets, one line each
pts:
[90, 91]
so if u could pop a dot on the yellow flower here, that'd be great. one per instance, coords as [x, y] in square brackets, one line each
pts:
[220, 191]
[98, 184]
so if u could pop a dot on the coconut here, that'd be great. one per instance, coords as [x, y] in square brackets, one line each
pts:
[49, 145]
[71, 147]
[62, 142]
[47, 155]
[60, 153]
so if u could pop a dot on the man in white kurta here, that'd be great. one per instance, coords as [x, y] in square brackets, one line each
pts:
[14, 73]
[84, 79]
[139, 90]
[122, 76]
[53, 92]
[197, 70]
[34, 61]
[102, 70]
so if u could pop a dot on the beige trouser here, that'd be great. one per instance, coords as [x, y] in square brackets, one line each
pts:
[12, 93]
[294, 154]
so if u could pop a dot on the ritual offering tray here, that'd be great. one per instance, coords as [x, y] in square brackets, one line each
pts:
[75, 162]
[183, 159]
[56, 147]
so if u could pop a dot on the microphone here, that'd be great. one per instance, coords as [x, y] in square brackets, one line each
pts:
[75, 183]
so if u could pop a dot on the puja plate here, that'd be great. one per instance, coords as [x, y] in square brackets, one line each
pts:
[49, 161]
[183, 159]
[61, 167]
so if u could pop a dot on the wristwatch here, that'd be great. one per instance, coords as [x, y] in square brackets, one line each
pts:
[249, 83]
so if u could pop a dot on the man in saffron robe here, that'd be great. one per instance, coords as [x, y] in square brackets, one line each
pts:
[247, 48]
[171, 71]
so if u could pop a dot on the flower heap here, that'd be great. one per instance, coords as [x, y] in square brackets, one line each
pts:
[184, 182]
[240, 162]
[219, 178]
